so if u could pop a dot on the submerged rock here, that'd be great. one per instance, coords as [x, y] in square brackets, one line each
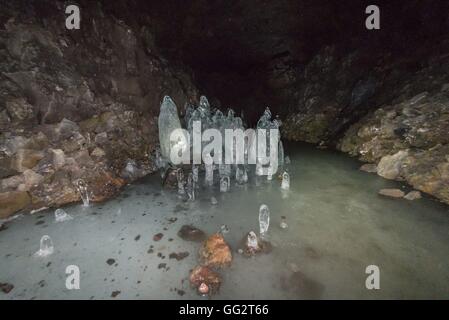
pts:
[6, 287]
[392, 193]
[205, 280]
[369, 167]
[178, 256]
[413, 195]
[190, 233]
[215, 252]
[302, 285]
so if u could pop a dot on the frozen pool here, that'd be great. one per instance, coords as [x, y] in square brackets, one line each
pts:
[337, 226]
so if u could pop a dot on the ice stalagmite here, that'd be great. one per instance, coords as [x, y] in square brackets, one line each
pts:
[46, 247]
[168, 122]
[285, 181]
[264, 219]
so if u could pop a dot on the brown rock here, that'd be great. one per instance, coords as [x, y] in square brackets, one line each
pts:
[157, 237]
[190, 233]
[203, 277]
[11, 183]
[26, 159]
[215, 252]
[6, 287]
[392, 193]
[178, 256]
[12, 202]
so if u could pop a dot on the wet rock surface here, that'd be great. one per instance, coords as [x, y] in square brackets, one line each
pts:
[392, 193]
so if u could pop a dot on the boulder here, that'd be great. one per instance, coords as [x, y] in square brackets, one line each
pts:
[11, 183]
[389, 166]
[215, 252]
[12, 202]
[58, 158]
[392, 193]
[19, 109]
[26, 159]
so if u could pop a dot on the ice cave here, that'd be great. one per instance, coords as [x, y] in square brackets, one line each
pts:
[224, 150]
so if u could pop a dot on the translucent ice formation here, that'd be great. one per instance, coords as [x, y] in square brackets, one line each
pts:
[224, 184]
[46, 247]
[168, 122]
[81, 185]
[61, 216]
[264, 219]
[285, 184]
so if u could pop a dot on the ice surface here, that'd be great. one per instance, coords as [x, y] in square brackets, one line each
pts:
[337, 226]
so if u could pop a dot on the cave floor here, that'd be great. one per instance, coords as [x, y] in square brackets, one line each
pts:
[337, 226]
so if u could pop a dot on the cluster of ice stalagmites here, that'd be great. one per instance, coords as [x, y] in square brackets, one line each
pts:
[196, 121]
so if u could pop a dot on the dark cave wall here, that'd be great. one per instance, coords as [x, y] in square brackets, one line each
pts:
[77, 104]
[84, 103]
[253, 54]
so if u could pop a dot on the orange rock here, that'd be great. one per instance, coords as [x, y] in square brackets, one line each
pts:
[215, 252]
[205, 280]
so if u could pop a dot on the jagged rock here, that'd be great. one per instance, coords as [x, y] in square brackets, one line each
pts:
[5, 167]
[19, 109]
[215, 252]
[31, 179]
[413, 195]
[58, 158]
[26, 159]
[11, 183]
[390, 166]
[205, 280]
[98, 153]
[392, 193]
[12, 202]
[369, 167]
